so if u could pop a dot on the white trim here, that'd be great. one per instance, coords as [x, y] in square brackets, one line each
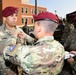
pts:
[27, 16]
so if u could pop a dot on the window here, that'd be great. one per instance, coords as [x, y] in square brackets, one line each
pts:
[26, 10]
[22, 20]
[39, 11]
[42, 11]
[22, 10]
[32, 11]
[32, 20]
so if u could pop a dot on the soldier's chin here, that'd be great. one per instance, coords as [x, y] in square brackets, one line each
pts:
[13, 25]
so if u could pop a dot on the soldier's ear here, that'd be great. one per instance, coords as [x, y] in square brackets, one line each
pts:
[4, 18]
[39, 28]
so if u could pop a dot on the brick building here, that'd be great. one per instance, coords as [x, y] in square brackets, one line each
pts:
[26, 10]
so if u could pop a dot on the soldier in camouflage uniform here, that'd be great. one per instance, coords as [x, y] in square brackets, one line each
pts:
[46, 57]
[9, 29]
[70, 45]
[65, 32]
[25, 28]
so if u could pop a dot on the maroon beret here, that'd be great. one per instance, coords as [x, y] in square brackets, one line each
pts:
[9, 11]
[45, 16]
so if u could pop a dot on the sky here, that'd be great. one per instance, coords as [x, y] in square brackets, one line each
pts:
[62, 7]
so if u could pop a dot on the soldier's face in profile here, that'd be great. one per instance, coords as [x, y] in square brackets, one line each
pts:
[11, 20]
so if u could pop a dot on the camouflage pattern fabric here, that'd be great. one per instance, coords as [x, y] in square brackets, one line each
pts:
[65, 32]
[71, 44]
[73, 65]
[46, 57]
[5, 34]
[71, 40]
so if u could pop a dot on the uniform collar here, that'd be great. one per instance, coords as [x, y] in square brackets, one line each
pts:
[6, 30]
[51, 38]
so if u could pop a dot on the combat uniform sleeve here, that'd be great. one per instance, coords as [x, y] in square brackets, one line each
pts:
[67, 42]
[29, 39]
[34, 58]
[22, 55]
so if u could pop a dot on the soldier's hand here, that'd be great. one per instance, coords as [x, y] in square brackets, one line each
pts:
[70, 60]
[22, 35]
[73, 52]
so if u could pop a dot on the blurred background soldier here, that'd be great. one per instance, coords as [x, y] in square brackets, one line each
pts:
[59, 31]
[9, 29]
[66, 31]
[69, 42]
[60, 26]
[70, 45]
[25, 28]
[46, 57]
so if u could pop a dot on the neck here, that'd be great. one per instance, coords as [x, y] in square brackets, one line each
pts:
[49, 33]
[9, 27]
[46, 34]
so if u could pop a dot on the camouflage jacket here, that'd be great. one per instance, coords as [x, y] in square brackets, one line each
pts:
[4, 35]
[71, 40]
[65, 32]
[71, 44]
[46, 57]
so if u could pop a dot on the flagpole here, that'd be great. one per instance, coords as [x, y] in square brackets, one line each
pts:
[35, 6]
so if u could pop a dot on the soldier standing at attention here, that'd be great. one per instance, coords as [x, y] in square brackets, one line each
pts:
[46, 57]
[9, 29]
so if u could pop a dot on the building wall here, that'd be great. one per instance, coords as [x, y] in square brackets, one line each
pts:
[31, 11]
[25, 1]
[22, 15]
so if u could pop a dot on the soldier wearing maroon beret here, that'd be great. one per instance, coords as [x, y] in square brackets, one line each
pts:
[9, 11]
[7, 30]
[48, 16]
[46, 56]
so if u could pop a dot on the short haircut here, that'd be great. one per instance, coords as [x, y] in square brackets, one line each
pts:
[48, 25]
